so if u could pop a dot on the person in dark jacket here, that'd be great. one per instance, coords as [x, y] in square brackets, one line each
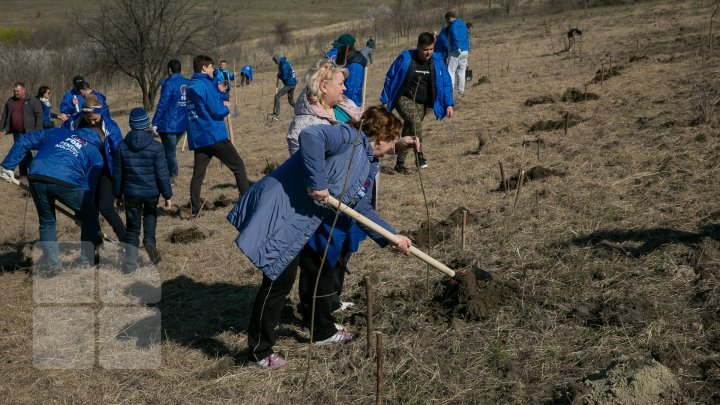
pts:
[74, 99]
[171, 113]
[65, 169]
[140, 175]
[286, 74]
[417, 80]
[207, 133]
[43, 95]
[22, 113]
[92, 116]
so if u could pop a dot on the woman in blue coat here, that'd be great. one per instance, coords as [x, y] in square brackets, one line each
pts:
[279, 216]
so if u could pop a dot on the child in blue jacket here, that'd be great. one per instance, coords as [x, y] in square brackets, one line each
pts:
[286, 74]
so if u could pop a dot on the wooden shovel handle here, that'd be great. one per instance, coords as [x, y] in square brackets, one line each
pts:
[333, 202]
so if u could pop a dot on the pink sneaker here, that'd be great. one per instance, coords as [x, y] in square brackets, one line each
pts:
[340, 336]
[273, 362]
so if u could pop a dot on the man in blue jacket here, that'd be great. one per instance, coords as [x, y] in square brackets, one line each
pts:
[286, 74]
[458, 48]
[65, 169]
[207, 133]
[417, 79]
[246, 75]
[441, 44]
[72, 101]
[171, 113]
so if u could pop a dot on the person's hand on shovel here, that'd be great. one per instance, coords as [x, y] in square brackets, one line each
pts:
[7, 175]
[320, 196]
[407, 142]
[403, 245]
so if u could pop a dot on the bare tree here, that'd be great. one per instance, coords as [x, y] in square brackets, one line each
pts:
[282, 31]
[138, 37]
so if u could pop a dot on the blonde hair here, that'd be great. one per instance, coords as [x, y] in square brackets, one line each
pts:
[322, 71]
[91, 101]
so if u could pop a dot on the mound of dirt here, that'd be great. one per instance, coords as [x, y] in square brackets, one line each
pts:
[187, 235]
[482, 80]
[539, 100]
[574, 95]
[477, 296]
[624, 381]
[270, 166]
[604, 74]
[441, 230]
[222, 202]
[552, 125]
[535, 173]
[637, 58]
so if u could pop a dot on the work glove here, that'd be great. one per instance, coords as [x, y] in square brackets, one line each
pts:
[7, 175]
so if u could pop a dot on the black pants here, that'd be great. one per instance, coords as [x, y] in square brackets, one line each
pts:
[227, 154]
[244, 79]
[25, 162]
[139, 212]
[105, 202]
[271, 298]
[306, 284]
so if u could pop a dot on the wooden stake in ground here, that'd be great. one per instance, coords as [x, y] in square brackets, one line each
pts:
[567, 117]
[517, 190]
[602, 73]
[230, 129]
[369, 299]
[585, 93]
[364, 90]
[236, 110]
[464, 224]
[538, 147]
[503, 180]
[379, 361]
[637, 47]
[184, 143]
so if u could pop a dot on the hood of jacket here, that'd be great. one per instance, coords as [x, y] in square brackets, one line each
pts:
[138, 139]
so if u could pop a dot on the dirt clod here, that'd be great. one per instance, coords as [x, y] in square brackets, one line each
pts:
[539, 100]
[535, 173]
[604, 74]
[576, 96]
[477, 295]
[187, 235]
[552, 125]
[482, 80]
[441, 230]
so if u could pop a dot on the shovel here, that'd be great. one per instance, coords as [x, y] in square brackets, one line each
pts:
[333, 202]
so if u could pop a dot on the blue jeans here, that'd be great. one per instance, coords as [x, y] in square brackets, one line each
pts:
[170, 141]
[139, 211]
[45, 195]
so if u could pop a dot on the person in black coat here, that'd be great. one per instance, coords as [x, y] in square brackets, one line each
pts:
[140, 175]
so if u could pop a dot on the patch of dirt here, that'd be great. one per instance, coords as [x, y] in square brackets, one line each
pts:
[535, 173]
[222, 202]
[482, 80]
[539, 100]
[187, 235]
[637, 58]
[552, 125]
[441, 230]
[15, 256]
[604, 74]
[477, 295]
[270, 166]
[576, 96]
[624, 381]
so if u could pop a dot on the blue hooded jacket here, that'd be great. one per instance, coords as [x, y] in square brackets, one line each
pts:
[276, 218]
[395, 78]
[72, 157]
[67, 107]
[286, 73]
[140, 167]
[441, 44]
[247, 69]
[113, 135]
[171, 112]
[458, 36]
[206, 113]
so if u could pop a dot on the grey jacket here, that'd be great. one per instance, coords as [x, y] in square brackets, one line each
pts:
[32, 113]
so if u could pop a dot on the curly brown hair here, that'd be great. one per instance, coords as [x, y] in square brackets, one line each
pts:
[379, 124]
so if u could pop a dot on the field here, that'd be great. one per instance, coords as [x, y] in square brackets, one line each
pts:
[598, 282]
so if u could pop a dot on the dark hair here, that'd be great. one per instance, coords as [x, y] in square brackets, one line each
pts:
[19, 84]
[469, 25]
[425, 39]
[449, 15]
[222, 61]
[379, 124]
[200, 62]
[42, 90]
[174, 66]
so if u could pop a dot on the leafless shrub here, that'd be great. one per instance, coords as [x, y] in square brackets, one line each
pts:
[282, 31]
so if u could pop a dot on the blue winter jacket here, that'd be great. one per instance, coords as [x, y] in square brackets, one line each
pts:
[277, 217]
[224, 75]
[247, 69]
[286, 73]
[140, 167]
[354, 81]
[72, 157]
[458, 36]
[171, 112]
[113, 135]
[441, 44]
[396, 76]
[206, 113]
[67, 107]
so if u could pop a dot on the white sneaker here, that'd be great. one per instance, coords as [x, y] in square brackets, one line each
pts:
[340, 336]
[345, 305]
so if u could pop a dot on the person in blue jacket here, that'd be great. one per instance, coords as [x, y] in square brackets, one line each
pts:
[441, 44]
[286, 74]
[140, 175]
[458, 48]
[417, 79]
[207, 133]
[73, 100]
[224, 75]
[356, 63]
[246, 75]
[43, 95]
[171, 113]
[92, 116]
[278, 218]
[65, 169]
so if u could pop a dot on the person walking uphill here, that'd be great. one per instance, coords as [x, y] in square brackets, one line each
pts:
[278, 216]
[171, 113]
[458, 48]
[286, 74]
[140, 175]
[207, 133]
[417, 79]
[22, 113]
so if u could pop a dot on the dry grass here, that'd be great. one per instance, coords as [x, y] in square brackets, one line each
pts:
[619, 257]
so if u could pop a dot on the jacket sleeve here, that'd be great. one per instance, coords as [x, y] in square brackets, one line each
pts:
[24, 143]
[66, 106]
[390, 78]
[230, 76]
[316, 142]
[446, 86]
[162, 174]
[117, 171]
[37, 113]
[163, 105]
[94, 167]
[215, 107]
[354, 83]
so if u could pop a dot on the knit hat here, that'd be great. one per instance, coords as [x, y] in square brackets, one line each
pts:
[78, 82]
[139, 119]
[344, 40]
